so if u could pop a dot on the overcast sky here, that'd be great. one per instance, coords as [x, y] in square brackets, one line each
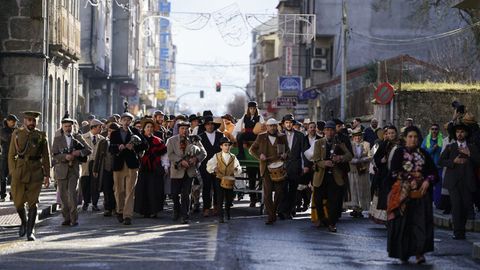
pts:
[207, 46]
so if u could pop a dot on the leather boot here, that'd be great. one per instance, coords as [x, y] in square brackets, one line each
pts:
[23, 217]
[32, 216]
[228, 213]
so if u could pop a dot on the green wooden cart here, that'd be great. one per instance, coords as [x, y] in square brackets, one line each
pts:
[249, 163]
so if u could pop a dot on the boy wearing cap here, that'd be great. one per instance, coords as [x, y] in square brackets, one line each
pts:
[29, 165]
[10, 124]
[223, 164]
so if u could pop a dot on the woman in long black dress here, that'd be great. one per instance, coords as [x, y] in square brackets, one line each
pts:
[381, 181]
[409, 207]
[149, 191]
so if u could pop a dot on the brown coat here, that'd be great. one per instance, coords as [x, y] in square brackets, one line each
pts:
[262, 145]
[319, 156]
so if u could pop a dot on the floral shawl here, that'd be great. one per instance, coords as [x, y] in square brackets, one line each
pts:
[405, 164]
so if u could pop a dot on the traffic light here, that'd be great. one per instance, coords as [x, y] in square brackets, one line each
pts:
[218, 86]
[201, 93]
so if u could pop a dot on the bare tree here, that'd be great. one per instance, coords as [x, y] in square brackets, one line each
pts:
[237, 106]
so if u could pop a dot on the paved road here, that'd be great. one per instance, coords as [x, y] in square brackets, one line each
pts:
[243, 243]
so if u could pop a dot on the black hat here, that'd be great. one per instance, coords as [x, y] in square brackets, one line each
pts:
[207, 113]
[193, 117]
[171, 117]
[330, 124]
[225, 140]
[461, 126]
[155, 113]
[91, 117]
[338, 121]
[288, 117]
[209, 119]
[252, 104]
[12, 117]
[321, 125]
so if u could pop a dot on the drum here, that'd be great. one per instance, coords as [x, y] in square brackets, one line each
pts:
[277, 171]
[227, 182]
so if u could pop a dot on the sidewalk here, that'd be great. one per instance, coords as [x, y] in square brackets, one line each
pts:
[47, 206]
[445, 221]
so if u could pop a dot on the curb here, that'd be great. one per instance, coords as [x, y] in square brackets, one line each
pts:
[445, 221]
[476, 250]
[47, 211]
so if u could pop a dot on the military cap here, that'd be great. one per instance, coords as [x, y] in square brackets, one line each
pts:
[31, 114]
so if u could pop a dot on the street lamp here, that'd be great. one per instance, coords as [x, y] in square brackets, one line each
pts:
[244, 89]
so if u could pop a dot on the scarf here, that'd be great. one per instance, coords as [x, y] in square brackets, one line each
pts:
[428, 143]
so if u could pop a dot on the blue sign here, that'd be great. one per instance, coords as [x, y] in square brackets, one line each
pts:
[165, 7]
[305, 95]
[165, 83]
[164, 23]
[164, 37]
[164, 53]
[290, 83]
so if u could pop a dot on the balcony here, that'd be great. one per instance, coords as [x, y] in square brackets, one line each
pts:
[65, 34]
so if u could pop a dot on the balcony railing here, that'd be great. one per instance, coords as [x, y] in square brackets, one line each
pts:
[65, 33]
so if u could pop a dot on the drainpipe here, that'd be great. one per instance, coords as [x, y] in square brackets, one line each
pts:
[45, 94]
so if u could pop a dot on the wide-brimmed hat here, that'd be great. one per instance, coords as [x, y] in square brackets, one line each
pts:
[288, 117]
[357, 132]
[225, 140]
[272, 121]
[170, 118]
[145, 121]
[209, 119]
[469, 119]
[461, 126]
[330, 124]
[207, 113]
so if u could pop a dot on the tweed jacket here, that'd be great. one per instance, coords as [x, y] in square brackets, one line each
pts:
[319, 157]
[60, 164]
[175, 155]
[260, 145]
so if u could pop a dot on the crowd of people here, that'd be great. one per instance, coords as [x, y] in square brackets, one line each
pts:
[395, 177]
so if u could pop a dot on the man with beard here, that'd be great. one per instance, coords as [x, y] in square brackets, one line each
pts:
[270, 147]
[29, 165]
[67, 149]
[10, 124]
[294, 165]
[370, 133]
[329, 179]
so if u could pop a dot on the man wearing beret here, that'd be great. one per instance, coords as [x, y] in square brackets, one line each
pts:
[29, 165]
[10, 124]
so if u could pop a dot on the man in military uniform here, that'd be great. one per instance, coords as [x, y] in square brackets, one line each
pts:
[29, 165]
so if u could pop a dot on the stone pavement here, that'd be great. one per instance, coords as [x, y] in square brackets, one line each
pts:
[47, 206]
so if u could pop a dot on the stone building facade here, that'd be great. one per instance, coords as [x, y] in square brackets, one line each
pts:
[39, 53]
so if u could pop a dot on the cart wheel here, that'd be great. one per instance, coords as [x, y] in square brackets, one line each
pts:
[261, 209]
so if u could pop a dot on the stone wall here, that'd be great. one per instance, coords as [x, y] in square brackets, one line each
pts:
[427, 107]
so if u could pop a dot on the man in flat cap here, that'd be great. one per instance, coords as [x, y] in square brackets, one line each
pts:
[89, 183]
[125, 145]
[9, 126]
[29, 165]
[69, 149]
